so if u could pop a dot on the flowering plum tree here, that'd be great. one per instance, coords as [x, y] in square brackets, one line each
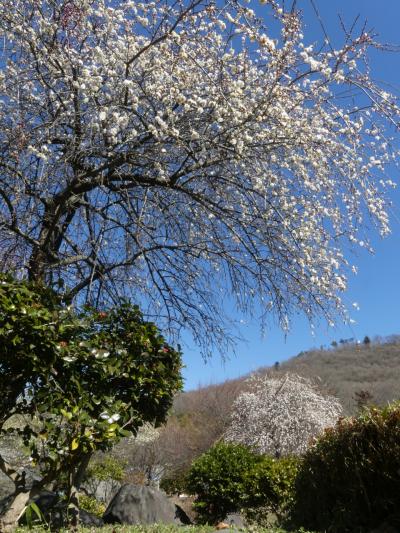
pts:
[79, 382]
[280, 413]
[175, 150]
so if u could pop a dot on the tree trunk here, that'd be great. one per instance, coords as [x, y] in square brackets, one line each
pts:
[76, 479]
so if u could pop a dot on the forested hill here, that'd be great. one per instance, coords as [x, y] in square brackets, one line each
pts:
[354, 368]
[347, 370]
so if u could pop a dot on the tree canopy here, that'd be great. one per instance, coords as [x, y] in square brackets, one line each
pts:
[279, 414]
[178, 151]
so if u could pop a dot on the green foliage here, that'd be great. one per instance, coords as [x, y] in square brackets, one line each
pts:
[174, 484]
[217, 479]
[31, 514]
[350, 479]
[82, 379]
[108, 468]
[157, 528]
[91, 505]
[269, 486]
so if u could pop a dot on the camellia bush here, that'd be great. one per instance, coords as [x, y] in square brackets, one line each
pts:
[82, 380]
[350, 478]
[280, 413]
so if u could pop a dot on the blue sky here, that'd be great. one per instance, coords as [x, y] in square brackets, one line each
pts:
[376, 288]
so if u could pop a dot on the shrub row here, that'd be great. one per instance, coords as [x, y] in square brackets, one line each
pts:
[348, 480]
[353, 472]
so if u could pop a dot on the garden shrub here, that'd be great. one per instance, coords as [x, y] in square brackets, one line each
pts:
[350, 478]
[91, 505]
[175, 483]
[269, 488]
[106, 469]
[217, 480]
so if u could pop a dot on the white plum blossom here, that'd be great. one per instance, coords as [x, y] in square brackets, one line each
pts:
[177, 151]
[279, 414]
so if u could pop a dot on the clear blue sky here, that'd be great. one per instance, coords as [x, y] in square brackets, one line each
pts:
[376, 288]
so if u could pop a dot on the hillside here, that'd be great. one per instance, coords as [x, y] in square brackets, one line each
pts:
[344, 371]
[374, 368]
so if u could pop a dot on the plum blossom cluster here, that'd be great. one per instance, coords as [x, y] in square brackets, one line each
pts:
[280, 414]
[178, 151]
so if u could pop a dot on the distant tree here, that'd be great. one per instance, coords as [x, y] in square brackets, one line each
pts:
[78, 381]
[367, 340]
[363, 398]
[179, 150]
[276, 365]
[334, 344]
[279, 414]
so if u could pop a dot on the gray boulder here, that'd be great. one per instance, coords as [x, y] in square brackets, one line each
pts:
[7, 487]
[235, 519]
[137, 504]
[89, 520]
[104, 491]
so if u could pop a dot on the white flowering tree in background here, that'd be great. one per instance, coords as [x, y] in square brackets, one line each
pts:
[176, 151]
[279, 414]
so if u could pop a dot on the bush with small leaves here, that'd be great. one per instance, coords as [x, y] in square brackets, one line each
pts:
[353, 472]
[269, 488]
[106, 469]
[217, 480]
[91, 505]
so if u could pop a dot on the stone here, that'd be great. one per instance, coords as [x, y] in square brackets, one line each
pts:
[7, 487]
[89, 519]
[181, 516]
[138, 504]
[221, 525]
[235, 519]
[103, 491]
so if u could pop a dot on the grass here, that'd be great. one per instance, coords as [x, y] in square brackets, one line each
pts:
[157, 528]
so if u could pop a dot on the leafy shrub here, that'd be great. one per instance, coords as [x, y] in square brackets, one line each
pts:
[217, 479]
[353, 472]
[91, 505]
[80, 379]
[174, 484]
[269, 487]
[108, 468]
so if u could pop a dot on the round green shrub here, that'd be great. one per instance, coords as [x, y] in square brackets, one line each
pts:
[217, 480]
[350, 478]
[269, 487]
[91, 505]
[174, 483]
[107, 468]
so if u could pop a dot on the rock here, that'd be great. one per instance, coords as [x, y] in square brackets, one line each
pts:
[182, 516]
[103, 491]
[185, 503]
[137, 504]
[7, 487]
[55, 512]
[46, 500]
[89, 519]
[5, 503]
[235, 519]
